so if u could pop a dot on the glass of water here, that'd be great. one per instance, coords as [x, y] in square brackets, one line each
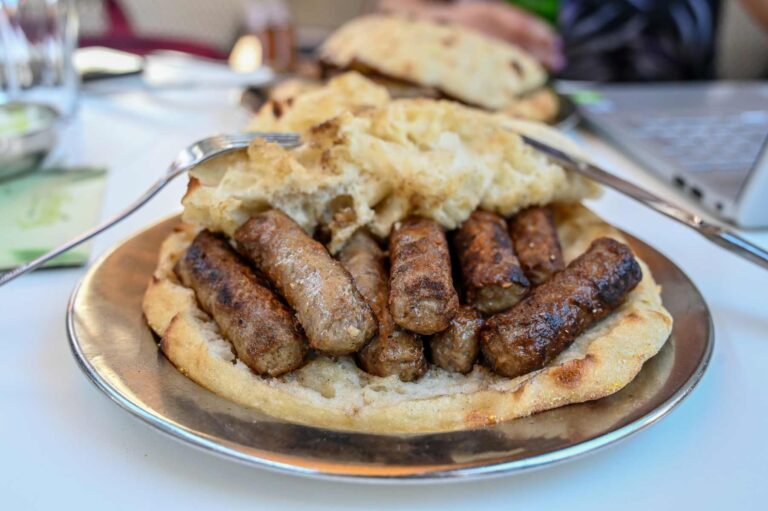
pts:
[37, 42]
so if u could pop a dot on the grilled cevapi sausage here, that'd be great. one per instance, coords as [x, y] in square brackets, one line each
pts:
[547, 321]
[422, 297]
[492, 276]
[263, 331]
[456, 348]
[392, 351]
[534, 236]
[336, 319]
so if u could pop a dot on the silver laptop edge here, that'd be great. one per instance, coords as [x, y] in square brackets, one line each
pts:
[734, 195]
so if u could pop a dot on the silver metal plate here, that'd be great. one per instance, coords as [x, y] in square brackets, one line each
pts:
[118, 352]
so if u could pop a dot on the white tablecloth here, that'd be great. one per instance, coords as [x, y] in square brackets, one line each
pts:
[65, 445]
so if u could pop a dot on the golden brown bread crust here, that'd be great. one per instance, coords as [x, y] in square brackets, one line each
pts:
[437, 55]
[456, 348]
[534, 236]
[529, 335]
[541, 105]
[297, 106]
[392, 351]
[263, 332]
[397, 88]
[492, 276]
[335, 317]
[336, 394]
[422, 298]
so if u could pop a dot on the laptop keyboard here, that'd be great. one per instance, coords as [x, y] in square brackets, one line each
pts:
[706, 143]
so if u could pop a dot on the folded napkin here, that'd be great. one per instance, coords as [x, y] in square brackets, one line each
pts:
[45, 208]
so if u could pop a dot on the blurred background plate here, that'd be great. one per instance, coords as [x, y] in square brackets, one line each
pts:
[567, 114]
[27, 135]
[118, 352]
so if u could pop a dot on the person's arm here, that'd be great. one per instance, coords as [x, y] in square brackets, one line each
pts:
[759, 11]
[496, 19]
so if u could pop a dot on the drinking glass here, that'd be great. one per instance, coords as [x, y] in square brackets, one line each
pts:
[37, 42]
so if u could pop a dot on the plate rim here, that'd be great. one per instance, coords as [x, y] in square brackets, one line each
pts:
[483, 471]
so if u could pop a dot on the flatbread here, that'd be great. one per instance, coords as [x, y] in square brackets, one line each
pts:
[375, 167]
[297, 106]
[435, 55]
[336, 394]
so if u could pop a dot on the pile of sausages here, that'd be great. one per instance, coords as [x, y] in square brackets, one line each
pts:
[278, 295]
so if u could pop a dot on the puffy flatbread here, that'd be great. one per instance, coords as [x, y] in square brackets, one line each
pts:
[336, 394]
[435, 55]
[374, 167]
[297, 106]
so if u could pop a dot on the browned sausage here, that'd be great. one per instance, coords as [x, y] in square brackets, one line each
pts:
[422, 297]
[335, 317]
[492, 276]
[400, 353]
[531, 334]
[392, 350]
[534, 235]
[263, 331]
[456, 348]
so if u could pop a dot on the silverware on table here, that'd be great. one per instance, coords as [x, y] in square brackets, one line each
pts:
[220, 144]
[714, 233]
[190, 157]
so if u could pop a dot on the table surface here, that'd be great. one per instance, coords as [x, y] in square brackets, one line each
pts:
[59, 430]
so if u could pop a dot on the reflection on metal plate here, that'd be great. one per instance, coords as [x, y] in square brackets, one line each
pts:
[119, 353]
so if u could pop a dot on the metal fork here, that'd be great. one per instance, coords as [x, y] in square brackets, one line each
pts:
[193, 155]
[214, 146]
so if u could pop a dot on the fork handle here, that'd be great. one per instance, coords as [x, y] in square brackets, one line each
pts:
[82, 238]
[721, 236]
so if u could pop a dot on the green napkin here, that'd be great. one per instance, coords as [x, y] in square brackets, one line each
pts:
[46, 208]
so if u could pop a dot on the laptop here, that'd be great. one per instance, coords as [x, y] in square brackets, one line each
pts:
[710, 140]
